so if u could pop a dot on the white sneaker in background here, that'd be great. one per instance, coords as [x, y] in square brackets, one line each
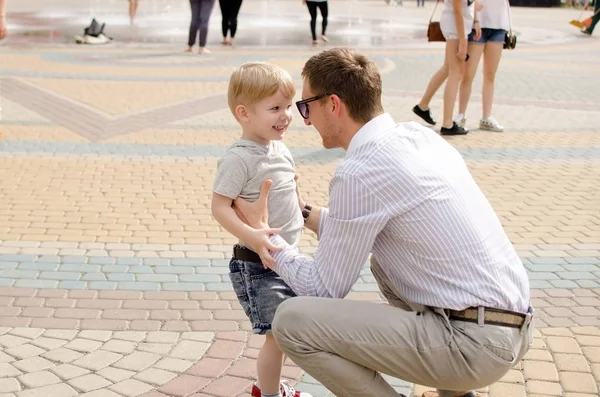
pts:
[490, 124]
[461, 121]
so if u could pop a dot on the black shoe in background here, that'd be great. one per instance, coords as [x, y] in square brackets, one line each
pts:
[454, 130]
[424, 114]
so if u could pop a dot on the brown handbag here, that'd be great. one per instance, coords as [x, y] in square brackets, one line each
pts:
[434, 31]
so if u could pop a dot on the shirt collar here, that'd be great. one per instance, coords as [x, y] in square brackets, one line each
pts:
[369, 131]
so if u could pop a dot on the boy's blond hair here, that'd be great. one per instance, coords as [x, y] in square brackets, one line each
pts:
[255, 81]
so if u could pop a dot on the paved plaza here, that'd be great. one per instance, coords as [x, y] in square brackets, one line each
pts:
[113, 273]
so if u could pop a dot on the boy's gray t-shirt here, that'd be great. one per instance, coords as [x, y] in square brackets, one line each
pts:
[246, 165]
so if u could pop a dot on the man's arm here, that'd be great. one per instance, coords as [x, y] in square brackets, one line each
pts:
[347, 231]
[313, 220]
[258, 240]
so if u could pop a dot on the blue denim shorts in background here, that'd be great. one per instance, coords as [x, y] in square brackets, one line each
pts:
[488, 35]
[259, 291]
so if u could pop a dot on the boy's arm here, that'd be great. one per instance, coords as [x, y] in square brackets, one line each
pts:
[258, 240]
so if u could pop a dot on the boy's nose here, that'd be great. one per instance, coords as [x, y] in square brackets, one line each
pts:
[307, 121]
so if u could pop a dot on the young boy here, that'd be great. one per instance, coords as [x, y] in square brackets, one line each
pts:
[260, 98]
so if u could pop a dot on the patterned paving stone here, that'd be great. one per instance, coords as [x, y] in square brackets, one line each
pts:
[113, 274]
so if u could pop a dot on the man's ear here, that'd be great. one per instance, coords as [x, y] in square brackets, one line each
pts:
[242, 113]
[336, 104]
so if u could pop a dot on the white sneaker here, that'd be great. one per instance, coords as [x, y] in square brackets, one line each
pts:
[285, 390]
[289, 391]
[490, 124]
[461, 121]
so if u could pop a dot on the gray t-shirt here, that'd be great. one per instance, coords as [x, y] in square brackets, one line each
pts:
[243, 169]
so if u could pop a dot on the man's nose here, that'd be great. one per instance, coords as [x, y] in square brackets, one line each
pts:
[307, 121]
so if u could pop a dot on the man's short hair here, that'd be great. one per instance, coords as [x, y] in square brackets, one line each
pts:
[351, 76]
[255, 81]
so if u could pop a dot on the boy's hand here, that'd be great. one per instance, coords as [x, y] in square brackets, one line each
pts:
[259, 241]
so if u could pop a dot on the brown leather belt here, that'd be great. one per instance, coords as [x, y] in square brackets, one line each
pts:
[245, 254]
[490, 316]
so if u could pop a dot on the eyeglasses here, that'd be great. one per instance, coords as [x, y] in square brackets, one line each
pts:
[303, 104]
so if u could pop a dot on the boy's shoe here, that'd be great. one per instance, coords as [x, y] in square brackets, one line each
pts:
[424, 114]
[285, 390]
[490, 124]
[454, 130]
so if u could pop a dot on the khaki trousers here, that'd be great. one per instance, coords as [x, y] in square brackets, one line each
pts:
[347, 344]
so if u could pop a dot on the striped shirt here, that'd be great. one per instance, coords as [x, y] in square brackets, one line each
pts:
[406, 195]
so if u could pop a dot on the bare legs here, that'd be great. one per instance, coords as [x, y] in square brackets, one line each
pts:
[466, 71]
[133, 6]
[491, 60]
[434, 85]
[492, 52]
[455, 69]
[268, 365]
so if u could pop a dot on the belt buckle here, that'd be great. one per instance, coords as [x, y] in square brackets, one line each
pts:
[481, 312]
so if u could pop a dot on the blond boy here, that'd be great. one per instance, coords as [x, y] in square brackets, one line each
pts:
[260, 97]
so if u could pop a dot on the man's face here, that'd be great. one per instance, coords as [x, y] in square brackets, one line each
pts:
[320, 116]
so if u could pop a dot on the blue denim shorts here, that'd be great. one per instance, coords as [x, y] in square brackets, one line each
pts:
[488, 35]
[260, 291]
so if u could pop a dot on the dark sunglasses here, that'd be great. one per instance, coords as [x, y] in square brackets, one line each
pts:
[303, 104]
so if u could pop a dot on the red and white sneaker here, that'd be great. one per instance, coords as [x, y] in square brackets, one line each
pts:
[285, 390]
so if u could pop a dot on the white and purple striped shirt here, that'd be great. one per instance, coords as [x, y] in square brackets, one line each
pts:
[404, 194]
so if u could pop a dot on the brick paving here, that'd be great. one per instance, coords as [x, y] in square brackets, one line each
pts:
[113, 274]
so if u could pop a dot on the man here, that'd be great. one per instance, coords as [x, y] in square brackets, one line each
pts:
[459, 315]
[3, 28]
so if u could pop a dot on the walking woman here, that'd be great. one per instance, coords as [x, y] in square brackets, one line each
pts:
[229, 11]
[133, 7]
[456, 23]
[312, 9]
[201, 10]
[494, 19]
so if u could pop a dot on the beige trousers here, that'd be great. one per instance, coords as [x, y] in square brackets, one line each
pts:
[347, 344]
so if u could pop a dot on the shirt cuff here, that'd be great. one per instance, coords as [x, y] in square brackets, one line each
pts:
[279, 256]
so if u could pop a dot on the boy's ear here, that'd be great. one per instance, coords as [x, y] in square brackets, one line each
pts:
[242, 113]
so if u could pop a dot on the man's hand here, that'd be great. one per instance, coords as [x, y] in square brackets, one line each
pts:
[3, 28]
[256, 215]
[259, 241]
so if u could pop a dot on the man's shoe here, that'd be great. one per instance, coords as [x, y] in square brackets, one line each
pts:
[584, 30]
[424, 114]
[285, 390]
[454, 130]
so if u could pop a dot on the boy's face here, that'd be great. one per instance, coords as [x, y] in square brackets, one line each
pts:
[268, 119]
